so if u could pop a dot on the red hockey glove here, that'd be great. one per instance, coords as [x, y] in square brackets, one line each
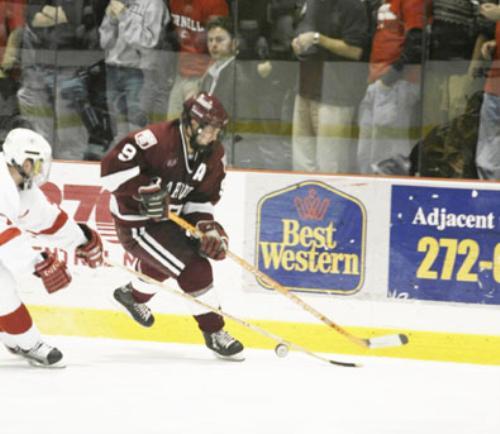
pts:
[214, 242]
[153, 200]
[54, 274]
[91, 252]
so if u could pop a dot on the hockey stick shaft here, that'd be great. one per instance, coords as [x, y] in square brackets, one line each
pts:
[237, 320]
[380, 342]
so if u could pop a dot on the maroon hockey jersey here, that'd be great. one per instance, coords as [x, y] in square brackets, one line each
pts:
[160, 150]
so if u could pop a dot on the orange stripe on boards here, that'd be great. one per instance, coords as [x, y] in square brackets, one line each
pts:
[59, 222]
[16, 322]
[8, 234]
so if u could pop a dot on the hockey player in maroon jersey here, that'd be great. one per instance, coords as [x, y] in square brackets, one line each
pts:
[172, 166]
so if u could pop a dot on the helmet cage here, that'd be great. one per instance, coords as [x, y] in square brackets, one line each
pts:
[23, 144]
[206, 110]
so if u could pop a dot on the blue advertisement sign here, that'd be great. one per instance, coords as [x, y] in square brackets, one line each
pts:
[311, 237]
[445, 244]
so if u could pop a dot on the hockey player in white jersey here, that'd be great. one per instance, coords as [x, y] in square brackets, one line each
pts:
[25, 212]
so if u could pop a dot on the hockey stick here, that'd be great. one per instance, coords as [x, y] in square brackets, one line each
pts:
[376, 342]
[283, 344]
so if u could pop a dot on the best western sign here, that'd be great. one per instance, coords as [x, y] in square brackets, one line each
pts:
[311, 237]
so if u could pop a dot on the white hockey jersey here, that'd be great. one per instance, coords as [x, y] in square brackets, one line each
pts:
[25, 214]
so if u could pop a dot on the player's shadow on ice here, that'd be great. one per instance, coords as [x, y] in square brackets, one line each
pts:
[147, 356]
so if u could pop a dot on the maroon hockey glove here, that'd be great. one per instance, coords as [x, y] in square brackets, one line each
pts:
[91, 252]
[54, 274]
[214, 242]
[153, 200]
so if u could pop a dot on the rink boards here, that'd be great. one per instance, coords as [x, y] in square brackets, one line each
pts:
[375, 255]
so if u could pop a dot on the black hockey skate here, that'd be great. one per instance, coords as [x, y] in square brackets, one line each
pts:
[139, 311]
[42, 355]
[224, 345]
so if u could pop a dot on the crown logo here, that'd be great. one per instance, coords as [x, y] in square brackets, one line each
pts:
[311, 207]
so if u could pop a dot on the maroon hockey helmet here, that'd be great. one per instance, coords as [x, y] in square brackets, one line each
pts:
[206, 110]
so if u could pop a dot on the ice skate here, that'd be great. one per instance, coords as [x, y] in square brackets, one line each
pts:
[43, 355]
[140, 312]
[224, 345]
[14, 350]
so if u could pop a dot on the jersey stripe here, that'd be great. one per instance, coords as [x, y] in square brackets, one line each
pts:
[113, 181]
[153, 248]
[9, 234]
[59, 222]
[158, 246]
[205, 207]
[114, 209]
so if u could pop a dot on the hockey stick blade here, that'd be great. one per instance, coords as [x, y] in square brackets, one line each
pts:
[345, 364]
[301, 349]
[387, 341]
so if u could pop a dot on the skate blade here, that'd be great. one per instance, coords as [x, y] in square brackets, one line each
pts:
[239, 357]
[57, 365]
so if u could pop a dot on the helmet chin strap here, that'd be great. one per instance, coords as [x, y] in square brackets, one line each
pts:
[27, 179]
[195, 146]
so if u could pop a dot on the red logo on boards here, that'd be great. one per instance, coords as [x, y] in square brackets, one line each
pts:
[92, 202]
[311, 207]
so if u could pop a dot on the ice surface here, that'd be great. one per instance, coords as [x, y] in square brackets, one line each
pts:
[129, 387]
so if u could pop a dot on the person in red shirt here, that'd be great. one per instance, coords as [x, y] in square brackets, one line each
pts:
[488, 144]
[178, 167]
[189, 18]
[11, 25]
[388, 109]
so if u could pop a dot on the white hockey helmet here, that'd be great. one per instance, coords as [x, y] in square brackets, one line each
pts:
[22, 144]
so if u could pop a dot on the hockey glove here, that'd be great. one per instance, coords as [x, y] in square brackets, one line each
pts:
[54, 274]
[214, 241]
[91, 253]
[153, 200]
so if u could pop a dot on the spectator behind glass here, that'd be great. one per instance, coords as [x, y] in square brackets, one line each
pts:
[234, 81]
[488, 146]
[266, 28]
[59, 39]
[189, 20]
[219, 80]
[328, 44]
[129, 32]
[266, 62]
[222, 47]
[11, 28]
[388, 111]
[449, 76]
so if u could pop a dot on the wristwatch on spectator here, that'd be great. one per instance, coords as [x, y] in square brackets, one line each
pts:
[316, 38]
